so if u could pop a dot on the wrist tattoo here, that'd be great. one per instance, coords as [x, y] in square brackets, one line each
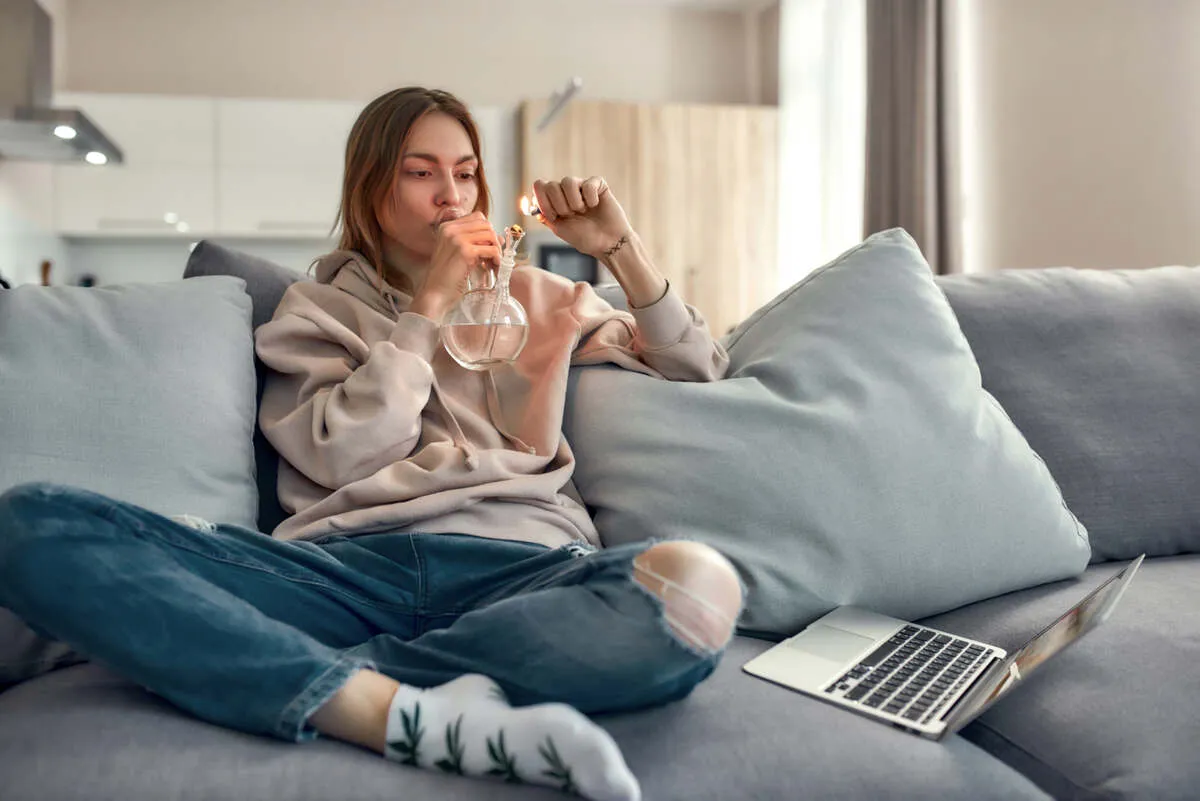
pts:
[620, 244]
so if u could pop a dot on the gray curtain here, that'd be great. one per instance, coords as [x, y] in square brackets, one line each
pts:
[912, 162]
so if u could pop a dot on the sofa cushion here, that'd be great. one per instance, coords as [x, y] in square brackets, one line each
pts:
[851, 456]
[1114, 716]
[24, 653]
[1099, 370]
[83, 734]
[265, 280]
[265, 283]
[143, 392]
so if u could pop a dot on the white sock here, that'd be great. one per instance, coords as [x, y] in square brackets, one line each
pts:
[467, 727]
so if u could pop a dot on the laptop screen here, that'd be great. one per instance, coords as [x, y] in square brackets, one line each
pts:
[1082, 618]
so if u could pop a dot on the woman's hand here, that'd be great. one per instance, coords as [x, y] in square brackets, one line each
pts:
[462, 245]
[583, 213]
[586, 216]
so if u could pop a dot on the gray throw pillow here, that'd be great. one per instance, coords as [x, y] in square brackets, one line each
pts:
[265, 280]
[265, 283]
[142, 392]
[851, 456]
[1099, 369]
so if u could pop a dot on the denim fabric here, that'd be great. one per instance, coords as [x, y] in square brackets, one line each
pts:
[256, 633]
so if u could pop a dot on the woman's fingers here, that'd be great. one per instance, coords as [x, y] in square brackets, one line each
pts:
[484, 236]
[460, 221]
[569, 196]
[573, 195]
[558, 200]
[473, 254]
[541, 191]
[473, 228]
[591, 190]
[489, 253]
[471, 222]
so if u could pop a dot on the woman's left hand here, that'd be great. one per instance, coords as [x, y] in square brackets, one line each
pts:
[582, 213]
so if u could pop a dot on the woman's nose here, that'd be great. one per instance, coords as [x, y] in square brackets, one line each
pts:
[448, 192]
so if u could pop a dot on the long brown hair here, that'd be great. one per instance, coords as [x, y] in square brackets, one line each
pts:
[372, 157]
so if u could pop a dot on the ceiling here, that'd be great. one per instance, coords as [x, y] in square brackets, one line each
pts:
[728, 5]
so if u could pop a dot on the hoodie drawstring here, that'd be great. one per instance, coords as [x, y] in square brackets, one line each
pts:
[493, 399]
[460, 439]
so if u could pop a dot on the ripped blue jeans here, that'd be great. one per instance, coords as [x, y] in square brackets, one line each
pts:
[256, 633]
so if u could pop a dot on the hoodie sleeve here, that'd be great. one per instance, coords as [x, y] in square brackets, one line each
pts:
[336, 409]
[668, 338]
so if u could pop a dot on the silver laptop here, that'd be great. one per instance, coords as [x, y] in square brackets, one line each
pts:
[918, 679]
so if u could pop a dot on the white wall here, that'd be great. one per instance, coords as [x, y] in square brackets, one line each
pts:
[1083, 130]
[26, 204]
[488, 52]
[142, 260]
[494, 55]
[26, 224]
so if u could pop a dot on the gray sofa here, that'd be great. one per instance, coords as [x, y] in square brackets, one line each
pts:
[1100, 376]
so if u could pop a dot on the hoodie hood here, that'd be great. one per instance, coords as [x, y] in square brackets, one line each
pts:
[350, 271]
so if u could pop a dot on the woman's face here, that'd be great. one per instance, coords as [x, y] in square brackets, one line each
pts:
[434, 182]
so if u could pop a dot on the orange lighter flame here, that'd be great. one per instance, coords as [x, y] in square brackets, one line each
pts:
[527, 207]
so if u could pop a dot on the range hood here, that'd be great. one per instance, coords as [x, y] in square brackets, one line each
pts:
[30, 128]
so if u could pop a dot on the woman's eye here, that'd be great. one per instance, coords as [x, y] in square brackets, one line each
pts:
[419, 173]
[467, 176]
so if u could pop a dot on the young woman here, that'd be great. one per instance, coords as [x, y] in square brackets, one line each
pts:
[438, 594]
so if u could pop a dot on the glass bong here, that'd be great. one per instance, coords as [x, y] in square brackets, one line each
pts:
[488, 326]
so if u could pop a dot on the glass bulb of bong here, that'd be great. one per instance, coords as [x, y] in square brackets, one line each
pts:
[488, 326]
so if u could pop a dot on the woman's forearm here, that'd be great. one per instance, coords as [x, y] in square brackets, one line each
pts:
[630, 263]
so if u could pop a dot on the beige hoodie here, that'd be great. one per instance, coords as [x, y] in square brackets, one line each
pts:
[380, 430]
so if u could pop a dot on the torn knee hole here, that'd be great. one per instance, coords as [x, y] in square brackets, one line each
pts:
[697, 617]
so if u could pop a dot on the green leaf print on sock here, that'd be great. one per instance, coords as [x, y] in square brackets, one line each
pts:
[505, 765]
[558, 769]
[409, 747]
[452, 762]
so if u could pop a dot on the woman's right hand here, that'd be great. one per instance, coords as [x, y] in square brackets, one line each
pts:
[462, 245]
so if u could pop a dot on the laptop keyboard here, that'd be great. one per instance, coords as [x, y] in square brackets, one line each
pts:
[912, 675]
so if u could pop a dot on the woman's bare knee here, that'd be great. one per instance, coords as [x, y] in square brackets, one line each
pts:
[700, 590]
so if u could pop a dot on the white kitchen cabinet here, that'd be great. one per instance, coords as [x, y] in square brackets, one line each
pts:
[279, 165]
[300, 134]
[166, 181]
[152, 129]
[134, 200]
[281, 202]
[242, 167]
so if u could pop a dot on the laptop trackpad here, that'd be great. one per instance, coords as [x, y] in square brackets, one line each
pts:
[829, 643]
